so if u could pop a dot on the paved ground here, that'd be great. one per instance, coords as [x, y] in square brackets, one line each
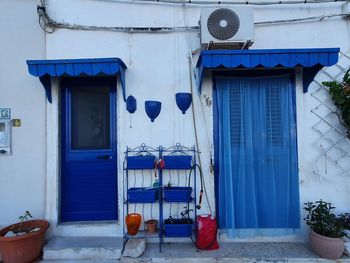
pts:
[228, 252]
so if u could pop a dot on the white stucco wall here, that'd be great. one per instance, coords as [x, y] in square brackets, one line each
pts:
[22, 176]
[157, 69]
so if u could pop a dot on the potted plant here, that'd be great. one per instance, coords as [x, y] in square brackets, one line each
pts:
[325, 230]
[151, 225]
[179, 227]
[344, 220]
[340, 94]
[23, 242]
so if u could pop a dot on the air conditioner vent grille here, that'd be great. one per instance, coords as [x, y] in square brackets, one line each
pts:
[223, 23]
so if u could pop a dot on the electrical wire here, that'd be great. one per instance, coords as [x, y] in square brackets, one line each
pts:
[320, 18]
[228, 2]
[190, 63]
[46, 22]
[202, 108]
[196, 136]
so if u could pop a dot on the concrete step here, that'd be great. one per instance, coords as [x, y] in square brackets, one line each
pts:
[235, 252]
[83, 248]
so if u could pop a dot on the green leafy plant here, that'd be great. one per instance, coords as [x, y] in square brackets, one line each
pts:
[186, 212]
[340, 94]
[23, 218]
[321, 219]
[344, 220]
[185, 217]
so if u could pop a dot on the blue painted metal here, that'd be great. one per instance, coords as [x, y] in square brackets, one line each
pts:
[46, 82]
[177, 194]
[140, 162]
[179, 230]
[141, 157]
[88, 184]
[178, 162]
[153, 109]
[183, 101]
[44, 69]
[180, 157]
[131, 104]
[161, 228]
[311, 60]
[142, 195]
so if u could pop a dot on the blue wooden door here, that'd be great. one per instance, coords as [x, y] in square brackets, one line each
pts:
[89, 159]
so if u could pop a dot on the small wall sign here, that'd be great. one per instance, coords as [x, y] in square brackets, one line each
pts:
[16, 123]
[5, 113]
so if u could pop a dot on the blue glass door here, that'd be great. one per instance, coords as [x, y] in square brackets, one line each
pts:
[89, 159]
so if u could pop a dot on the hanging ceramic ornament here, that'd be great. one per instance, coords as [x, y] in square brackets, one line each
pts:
[131, 106]
[183, 101]
[153, 109]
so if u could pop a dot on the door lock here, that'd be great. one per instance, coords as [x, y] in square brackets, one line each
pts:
[104, 157]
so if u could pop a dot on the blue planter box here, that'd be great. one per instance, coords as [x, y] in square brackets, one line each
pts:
[178, 230]
[140, 162]
[142, 195]
[177, 161]
[177, 194]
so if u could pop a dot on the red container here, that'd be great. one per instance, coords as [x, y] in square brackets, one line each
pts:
[133, 222]
[206, 233]
[25, 248]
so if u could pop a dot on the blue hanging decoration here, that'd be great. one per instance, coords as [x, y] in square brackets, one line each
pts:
[183, 101]
[131, 104]
[152, 109]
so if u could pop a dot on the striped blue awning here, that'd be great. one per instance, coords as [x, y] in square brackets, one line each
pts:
[311, 60]
[45, 69]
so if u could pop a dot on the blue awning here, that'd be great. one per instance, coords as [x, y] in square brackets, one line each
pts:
[44, 69]
[311, 60]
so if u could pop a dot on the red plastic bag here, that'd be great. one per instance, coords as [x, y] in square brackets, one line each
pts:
[206, 233]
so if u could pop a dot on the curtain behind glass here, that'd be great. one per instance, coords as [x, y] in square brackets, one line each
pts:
[258, 180]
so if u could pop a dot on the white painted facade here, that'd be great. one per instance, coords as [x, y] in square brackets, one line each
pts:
[157, 69]
[22, 174]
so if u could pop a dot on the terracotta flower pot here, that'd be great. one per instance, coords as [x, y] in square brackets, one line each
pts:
[133, 222]
[151, 225]
[25, 248]
[326, 247]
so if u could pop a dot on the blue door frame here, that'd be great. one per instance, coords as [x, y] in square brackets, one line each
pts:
[89, 175]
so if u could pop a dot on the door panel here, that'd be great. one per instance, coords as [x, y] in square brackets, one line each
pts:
[89, 159]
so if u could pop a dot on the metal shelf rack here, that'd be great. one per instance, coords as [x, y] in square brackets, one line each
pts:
[140, 160]
[158, 160]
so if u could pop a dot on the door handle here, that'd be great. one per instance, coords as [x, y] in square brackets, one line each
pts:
[104, 157]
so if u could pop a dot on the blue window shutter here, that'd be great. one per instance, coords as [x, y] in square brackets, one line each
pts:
[235, 115]
[274, 132]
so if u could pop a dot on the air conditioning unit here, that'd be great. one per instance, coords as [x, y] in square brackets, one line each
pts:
[227, 27]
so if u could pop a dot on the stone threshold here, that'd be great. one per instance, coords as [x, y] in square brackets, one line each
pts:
[108, 250]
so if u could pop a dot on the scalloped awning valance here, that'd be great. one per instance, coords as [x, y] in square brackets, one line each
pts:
[311, 60]
[44, 69]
